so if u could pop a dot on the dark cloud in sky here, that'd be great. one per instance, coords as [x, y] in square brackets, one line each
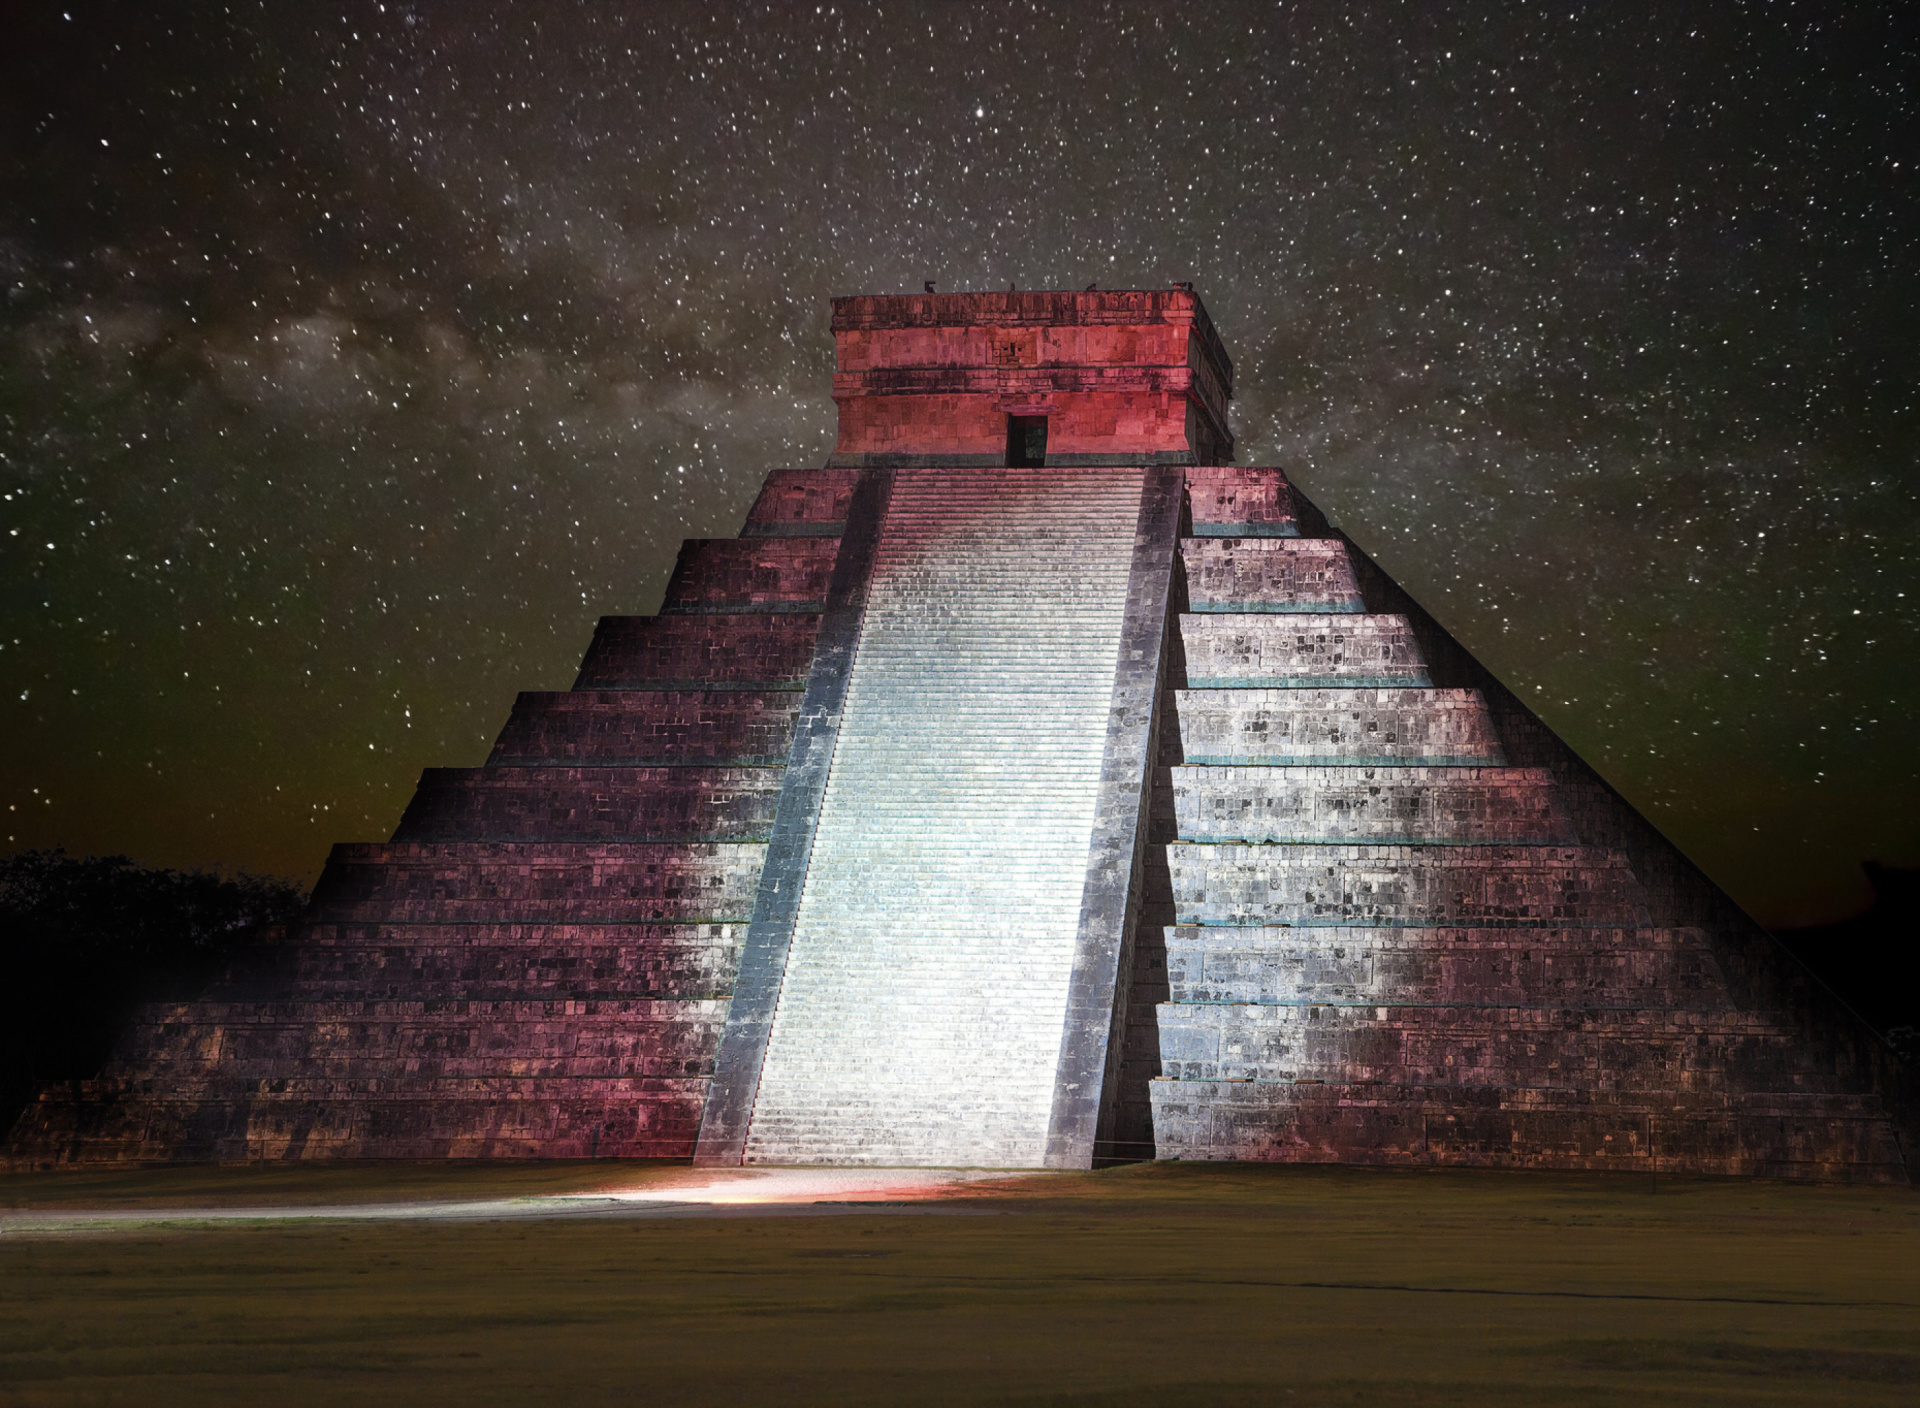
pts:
[352, 364]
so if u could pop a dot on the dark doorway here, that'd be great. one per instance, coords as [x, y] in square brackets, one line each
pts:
[1027, 441]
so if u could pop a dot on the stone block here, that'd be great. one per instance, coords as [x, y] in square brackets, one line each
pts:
[522, 882]
[376, 1039]
[1377, 805]
[724, 576]
[662, 652]
[801, 503]
[684, 803]
[1776, 1134]
[1344, 727]
[1642, 1050]
[1284, 575]
[636, 728]
[1231, 501]
[1414, 886]
[1511, 967]
[393, 1117]
[1302, 650]
[499, 962]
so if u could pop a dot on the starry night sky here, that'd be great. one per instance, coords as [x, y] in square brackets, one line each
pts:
[352, 364]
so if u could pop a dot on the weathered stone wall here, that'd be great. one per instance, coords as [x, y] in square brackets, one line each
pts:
[1585, 967]
[635, 728]
[1270, 575]
[740, 651]
[676, 803]
[1300, 650]
[801, 503]
[1387, 947]
[1260, 727]
[1378, 805]
[730, 575]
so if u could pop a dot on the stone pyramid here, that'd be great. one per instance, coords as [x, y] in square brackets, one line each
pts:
[1028, 787]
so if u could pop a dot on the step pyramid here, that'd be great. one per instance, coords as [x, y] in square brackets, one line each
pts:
[1020, 789]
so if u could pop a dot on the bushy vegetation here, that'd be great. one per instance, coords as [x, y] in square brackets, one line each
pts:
[85, 940]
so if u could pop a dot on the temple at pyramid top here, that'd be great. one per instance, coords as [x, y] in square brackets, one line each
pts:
[1135, 377]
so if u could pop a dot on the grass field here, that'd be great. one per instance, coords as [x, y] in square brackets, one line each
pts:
[1158, 1284]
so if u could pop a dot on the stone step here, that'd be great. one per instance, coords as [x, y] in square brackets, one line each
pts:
[1778, 1134]
[1585, 967]
[1302, 650]
[687, 803]
[801, 503]
[1345, 727]
[724, 575]
[227, 1121]
[1535, 1048]
[1377, 805]
[838, 1125]
[1282, 575]
[493, 961]
[935, 937]
[1231, 501]
[372, 1039]
[1414, 886]
[503, 882]
[637, 728]
[752, 651]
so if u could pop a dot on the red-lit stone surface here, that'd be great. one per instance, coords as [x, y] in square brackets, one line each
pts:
[1278, 574]
[1227, 501]
[1122, 378]
[1510, 967]
[499, 882]
[592, 804]
[726, 575]
[801, 502]
[496, 961]
[635, 726]
[629, 651]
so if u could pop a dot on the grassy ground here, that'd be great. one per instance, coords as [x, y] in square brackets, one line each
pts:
[1161, 1284]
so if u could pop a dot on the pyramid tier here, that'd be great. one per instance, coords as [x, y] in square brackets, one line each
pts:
[747, 651]
[1780, 1134]
[219, 1119]
[1300, 650]
[475, 962]
[1421, 886]
[366, 1039]
[1349, 727]
[1270, 575]
[722, 575]
[635, 728]
[685, 803]
[696, 882]
[1645, 1050]
[1584, 967]
[801, 503]
[1229, 501]
[1377, 805]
